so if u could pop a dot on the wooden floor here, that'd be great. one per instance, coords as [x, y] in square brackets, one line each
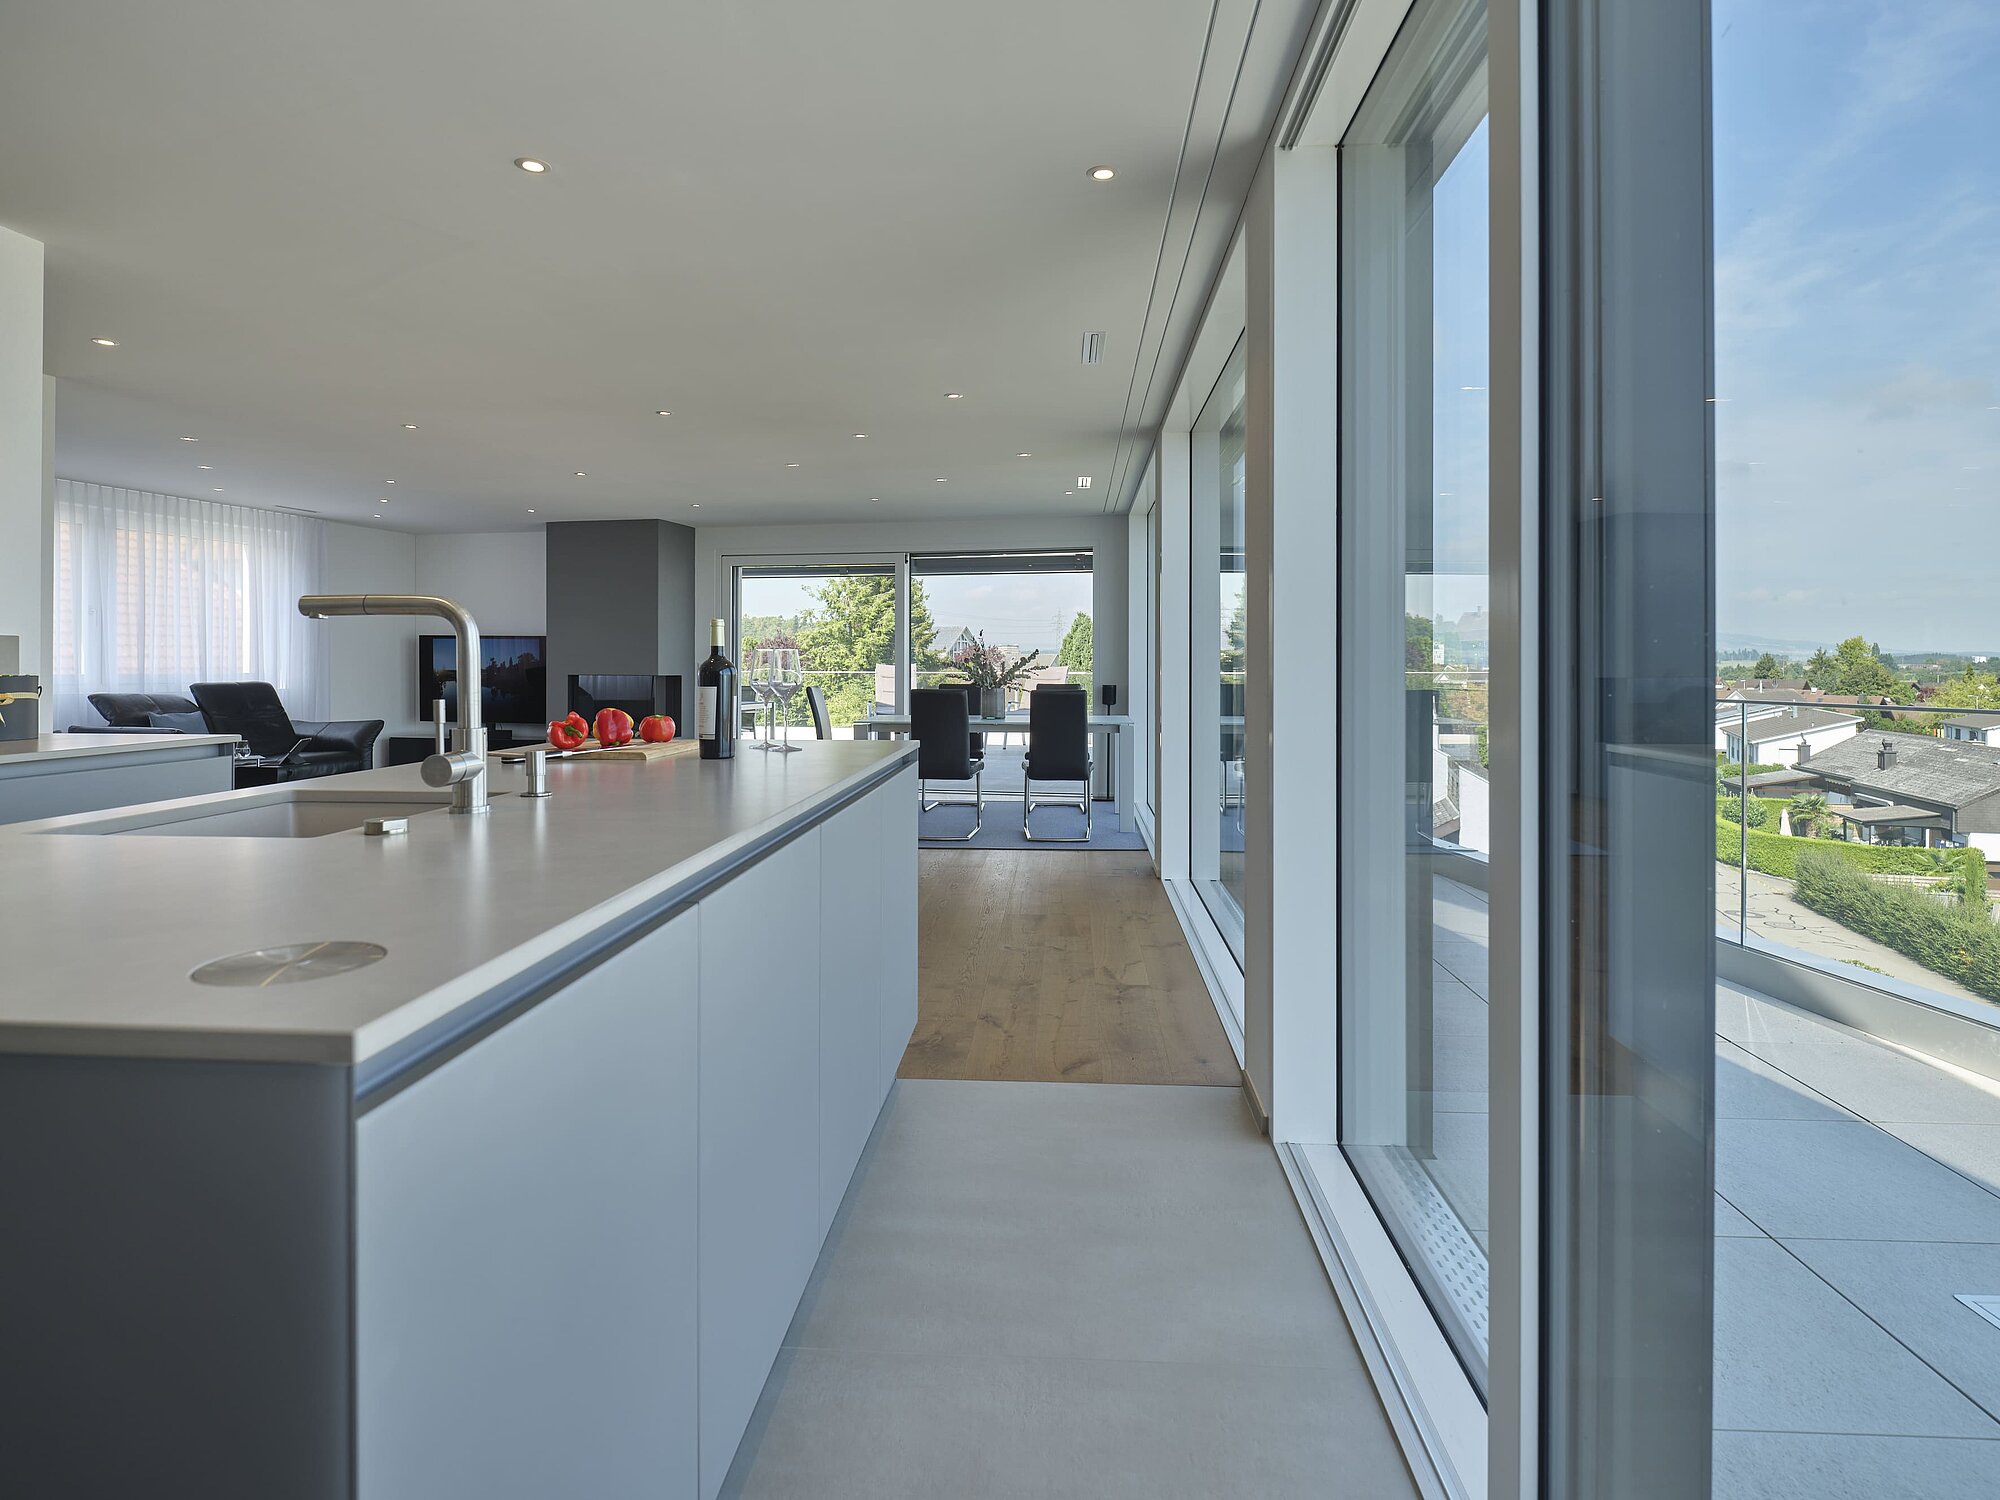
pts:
[1057, 967]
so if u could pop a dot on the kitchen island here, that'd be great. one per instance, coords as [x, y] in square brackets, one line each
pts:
[55, 774]
[521, 1204]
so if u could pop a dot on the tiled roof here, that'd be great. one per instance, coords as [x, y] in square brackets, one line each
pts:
[1947, 772]
[1976, 721]
[1779, 726]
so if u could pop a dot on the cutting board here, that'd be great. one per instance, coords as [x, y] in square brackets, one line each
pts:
[637, 750]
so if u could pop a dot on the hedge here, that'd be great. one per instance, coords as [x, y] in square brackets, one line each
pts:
[1778, 854]
[1958, 941]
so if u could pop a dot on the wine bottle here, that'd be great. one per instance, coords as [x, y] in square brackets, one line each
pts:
[715, 698]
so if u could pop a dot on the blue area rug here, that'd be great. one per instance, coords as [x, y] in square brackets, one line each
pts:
[1002, 829]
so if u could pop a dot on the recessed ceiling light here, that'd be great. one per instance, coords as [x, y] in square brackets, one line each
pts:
[105, 343]
[695, 504]
[531, 164]
[663, 414]
[954, 395]
[1069, 492]
[1024, 455]
[531, 510]
[1101, 174]
[388, 481]
[581, 475]
[874, 499]
[861, 434]
[217, 489]
[204, 466]
[409, 427]
[940, 479]
[190, 440]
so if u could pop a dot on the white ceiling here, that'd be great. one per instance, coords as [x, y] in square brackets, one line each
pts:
[785, 222]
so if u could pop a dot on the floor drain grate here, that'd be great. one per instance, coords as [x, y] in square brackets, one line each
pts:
[1986, 1304]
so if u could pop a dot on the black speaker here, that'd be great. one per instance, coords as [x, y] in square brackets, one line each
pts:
[1110, 692]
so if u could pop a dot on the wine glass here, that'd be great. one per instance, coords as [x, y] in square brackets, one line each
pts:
[786, 680]
[762, 666]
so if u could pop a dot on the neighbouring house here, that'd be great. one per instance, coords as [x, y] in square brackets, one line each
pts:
[1976, 729]
[954, 638]
[1777, 739]
[1913, 790]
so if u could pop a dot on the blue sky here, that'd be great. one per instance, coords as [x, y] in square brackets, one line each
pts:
[1857, 241]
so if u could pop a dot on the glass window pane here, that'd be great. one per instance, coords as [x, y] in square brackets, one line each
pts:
[1216, 763]
[1415, 792]
[961, 603]
[1857, 440]
[841, 620]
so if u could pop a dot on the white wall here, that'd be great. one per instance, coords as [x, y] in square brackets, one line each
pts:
[1105, 535]
[372, 662]
[501, 576]
[24, 540]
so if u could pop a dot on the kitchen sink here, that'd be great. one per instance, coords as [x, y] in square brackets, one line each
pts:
[280, 812]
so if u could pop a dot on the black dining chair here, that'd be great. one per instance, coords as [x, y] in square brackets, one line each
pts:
[1058, 750]
[971, 692]
[816, 701]
[944, 750]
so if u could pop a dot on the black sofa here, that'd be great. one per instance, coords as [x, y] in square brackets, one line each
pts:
[253, 711]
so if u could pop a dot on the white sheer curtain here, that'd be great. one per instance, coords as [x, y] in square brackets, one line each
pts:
[154, 592]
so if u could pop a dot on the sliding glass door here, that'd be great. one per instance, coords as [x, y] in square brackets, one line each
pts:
[1414, 566]
[1217, 765]
[842, 617]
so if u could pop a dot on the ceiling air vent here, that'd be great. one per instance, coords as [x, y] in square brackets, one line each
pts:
[295, 510]
[1093, 348]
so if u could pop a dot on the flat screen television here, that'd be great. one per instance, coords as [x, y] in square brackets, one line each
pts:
[513, 680]
[635, 692]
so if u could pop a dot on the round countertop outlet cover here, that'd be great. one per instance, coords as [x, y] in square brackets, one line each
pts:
[295, 963]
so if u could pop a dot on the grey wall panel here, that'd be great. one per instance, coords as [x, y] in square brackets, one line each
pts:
[618, 600]
[173, 1279]
[760, 1060]
[525, 1251]
[683, 640]
[603, 601]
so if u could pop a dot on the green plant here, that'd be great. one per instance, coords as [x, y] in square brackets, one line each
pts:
[1731, 808]
[1955, 939]
[987, 669]
[1809, 814]
[1778, 854]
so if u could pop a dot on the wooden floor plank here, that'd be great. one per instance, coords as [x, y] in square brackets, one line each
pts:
[1038, 966]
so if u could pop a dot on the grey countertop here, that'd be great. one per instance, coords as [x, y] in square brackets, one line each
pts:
[99, 931]
[49, 747]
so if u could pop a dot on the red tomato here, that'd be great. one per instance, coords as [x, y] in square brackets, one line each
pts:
[656, 729]
[613, 727]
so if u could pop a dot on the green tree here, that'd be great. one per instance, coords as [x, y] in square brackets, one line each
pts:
[1821, 670]
[1075, 651]
[1766, 668]
[853, 631]
[1970, 689]
[1809, 813]
[1858, 669]
[1235, 635]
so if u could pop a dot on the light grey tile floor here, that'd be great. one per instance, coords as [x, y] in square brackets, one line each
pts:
[1062, 1290]
[1844, 1365]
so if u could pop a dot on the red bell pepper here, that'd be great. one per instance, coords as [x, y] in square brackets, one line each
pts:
[656, 729]
[566, 736]
[613, 727]
[578, 722]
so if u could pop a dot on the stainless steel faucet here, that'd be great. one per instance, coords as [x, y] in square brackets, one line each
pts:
[463, 768]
